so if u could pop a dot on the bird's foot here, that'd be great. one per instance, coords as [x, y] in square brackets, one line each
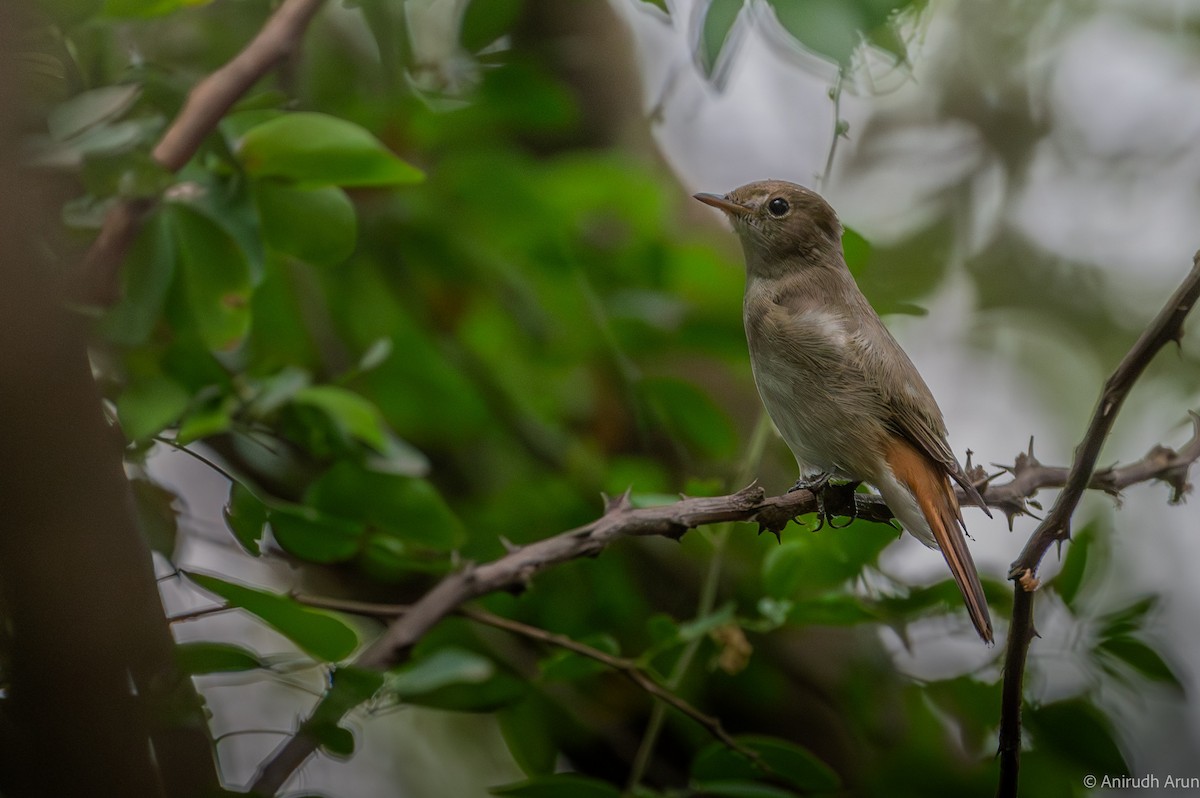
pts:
[833, 500]
[838, 500]
[814, 482]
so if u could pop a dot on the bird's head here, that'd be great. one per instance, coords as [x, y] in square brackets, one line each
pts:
[780, 224]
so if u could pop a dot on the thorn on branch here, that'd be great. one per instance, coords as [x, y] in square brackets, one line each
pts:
[776, 532]
[1177, 479]
[751, 495]
[620, 503]
[675, 530]
[1025, 461]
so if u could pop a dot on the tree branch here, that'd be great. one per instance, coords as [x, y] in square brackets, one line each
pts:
[621, 519]
[625, 666]
[207, 103]
[1167, 326]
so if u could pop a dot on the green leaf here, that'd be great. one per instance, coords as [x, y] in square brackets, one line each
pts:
[972, 703]
[719, 20]
[314, 149]
[559, 785]
[831, 609]
[69, 12]
[835, 28]
[659, 4]
[90, 108]
[157, 515]
[1078, 732]
[317, 225]
[797, 765]
[485, 21]
[887, 38]
[209, 419]
[1141, 658]
[271, 393]
[150, 405]
[246, 515]
[780, 572]
[690, 415]
[352, 413]
[145, 9]
[323, 636]
[814, 564]
[130, 175]
[237, 123]
[567, 666]
[215, 278]
[205, 657]
[741, 789]
[349, 687]
[311, 535]
[529, 736]
[379, 351]
[1070, 578]
[700, 627]
[774, 613]
[1128, 620]
[337, 741]
[407, 508]
[500, 691]
[109, 140]
[856, 249]
[662, 630]
[832, 28]
[443, 667]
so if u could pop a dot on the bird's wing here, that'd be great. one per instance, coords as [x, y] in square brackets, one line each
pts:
[912, 411]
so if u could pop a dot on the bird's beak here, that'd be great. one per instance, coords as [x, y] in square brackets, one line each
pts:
[730, 207]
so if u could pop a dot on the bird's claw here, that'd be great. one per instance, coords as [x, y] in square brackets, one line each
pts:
[832, 500]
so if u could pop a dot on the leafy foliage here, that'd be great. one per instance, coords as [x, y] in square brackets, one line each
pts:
[419, 321]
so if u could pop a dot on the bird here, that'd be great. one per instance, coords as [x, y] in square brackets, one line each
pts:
[843, 394]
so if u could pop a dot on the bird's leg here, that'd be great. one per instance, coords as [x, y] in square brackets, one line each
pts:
[841, 497]
[813, 482]
[832, 500]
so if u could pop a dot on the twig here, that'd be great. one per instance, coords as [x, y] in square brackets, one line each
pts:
[620, 520]
[709, 589]
[1167, 326]
[206, 105]
[627, 667]
[839, 130]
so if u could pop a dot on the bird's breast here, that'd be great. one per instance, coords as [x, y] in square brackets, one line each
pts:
[810, 382]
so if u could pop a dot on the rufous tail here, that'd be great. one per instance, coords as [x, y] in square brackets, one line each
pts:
[931, 487]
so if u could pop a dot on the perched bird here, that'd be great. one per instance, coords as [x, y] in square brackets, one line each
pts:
[843, 394]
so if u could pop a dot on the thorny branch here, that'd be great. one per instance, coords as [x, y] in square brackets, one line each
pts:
[1167, 326]
[206, 105]
[621, 519]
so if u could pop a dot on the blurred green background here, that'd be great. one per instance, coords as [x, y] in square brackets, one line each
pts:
[437, 282]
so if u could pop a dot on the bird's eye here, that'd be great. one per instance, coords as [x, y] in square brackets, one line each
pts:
[778, 206]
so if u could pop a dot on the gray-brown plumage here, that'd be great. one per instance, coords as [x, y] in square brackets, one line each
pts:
[843, 394]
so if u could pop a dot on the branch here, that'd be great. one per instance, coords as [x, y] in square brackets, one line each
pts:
[206, 105]
[627, 667]
[621, 519]
[1167, 326]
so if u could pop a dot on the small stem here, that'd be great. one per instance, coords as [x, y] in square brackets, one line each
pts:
[627, 667]
[179, 447]
[835, 94]
[708, 600]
